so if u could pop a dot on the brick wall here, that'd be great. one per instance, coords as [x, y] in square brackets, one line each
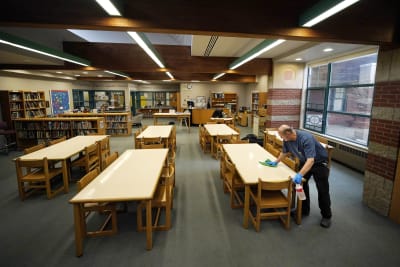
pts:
[283, 107]
[384, 142]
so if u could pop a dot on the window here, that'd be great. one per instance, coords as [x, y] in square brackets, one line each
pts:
[339, 98]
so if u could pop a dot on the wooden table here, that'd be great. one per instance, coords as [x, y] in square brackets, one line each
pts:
[133, 176]
[218, 129]
[246, 158]
[154, 131]
[63, 151]
[177, 115]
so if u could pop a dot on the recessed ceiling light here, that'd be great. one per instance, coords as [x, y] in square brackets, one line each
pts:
[59, 72]
[299, 59]
[328, 49]
[85, 72]
[77, 75]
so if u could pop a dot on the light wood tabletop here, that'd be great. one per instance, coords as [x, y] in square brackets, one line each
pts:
[132, 176]
[177, 115]
[218, 129]
[246, 158]
[63, 151]
[163, 131]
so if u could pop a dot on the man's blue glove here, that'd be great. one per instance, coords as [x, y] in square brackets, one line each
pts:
[297, 178]
[271, 163]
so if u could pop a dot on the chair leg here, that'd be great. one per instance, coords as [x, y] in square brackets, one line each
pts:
[258, 219]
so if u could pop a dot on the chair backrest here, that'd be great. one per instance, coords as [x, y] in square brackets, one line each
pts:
[271, 149]
[153, 142]
[85, 180]
[34, 148]
[105, 146]
[239, 141]
[24, 167]
[275, 186]
[110, 159]
[292, 162]
[58, 140]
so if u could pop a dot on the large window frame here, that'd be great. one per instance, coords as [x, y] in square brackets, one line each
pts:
[338, 100]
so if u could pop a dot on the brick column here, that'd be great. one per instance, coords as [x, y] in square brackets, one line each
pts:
[384, 134]
[283, 107]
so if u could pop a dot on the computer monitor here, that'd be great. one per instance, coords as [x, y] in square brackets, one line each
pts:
[190, 104]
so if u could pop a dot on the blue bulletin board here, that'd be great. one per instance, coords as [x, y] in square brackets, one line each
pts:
[59, 101]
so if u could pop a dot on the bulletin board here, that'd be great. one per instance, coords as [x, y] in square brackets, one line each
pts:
[59, 101]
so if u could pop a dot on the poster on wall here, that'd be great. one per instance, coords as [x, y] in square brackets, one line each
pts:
[59, 101]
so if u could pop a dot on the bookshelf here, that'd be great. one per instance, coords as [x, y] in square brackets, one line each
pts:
[32, 131]
[22, 104]
[258, 100]
[116, 123]
[224, 100]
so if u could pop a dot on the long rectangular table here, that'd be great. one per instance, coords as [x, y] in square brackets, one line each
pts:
[218, 129]
[246, 158]
[129, 178]
[177, 115]
[154, 131]
[63, 151]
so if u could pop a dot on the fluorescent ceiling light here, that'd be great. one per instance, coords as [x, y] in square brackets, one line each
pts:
[218, 76]
[117, 73]
[43, 53]
[324, 9]
[170, 75]
[145, 44]
[255, 52]
[328, 49]
[299, 59]
[109, 7]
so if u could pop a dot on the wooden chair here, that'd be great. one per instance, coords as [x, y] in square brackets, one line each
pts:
[99, 208]
[219, 141]
[58, 140]
[34, 148]
[136, 139]
[239, 141]
[205, 141]
[292, 162]
[104, 146]
[271, 202]
[149, 143]
[324, 143]
[271, 148]
[233, 184]
[162, 200]
[110, 159]
[90, 159]
[33, 175]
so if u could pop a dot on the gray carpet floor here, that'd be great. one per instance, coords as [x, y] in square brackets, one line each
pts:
[205, 231]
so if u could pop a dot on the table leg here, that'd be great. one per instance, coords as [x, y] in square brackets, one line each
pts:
[78, 229]
[246, 206]
[149, 238]
[155, 120]
[66, 174]
[188, 121]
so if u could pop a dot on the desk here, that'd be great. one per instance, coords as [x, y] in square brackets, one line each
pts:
[177, 115]
[246, 158]
[218, 129]
[63, 151]
[153, 131]
[128, 178]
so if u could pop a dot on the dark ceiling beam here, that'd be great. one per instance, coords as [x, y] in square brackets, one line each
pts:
[367, 22]
[130, 58]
